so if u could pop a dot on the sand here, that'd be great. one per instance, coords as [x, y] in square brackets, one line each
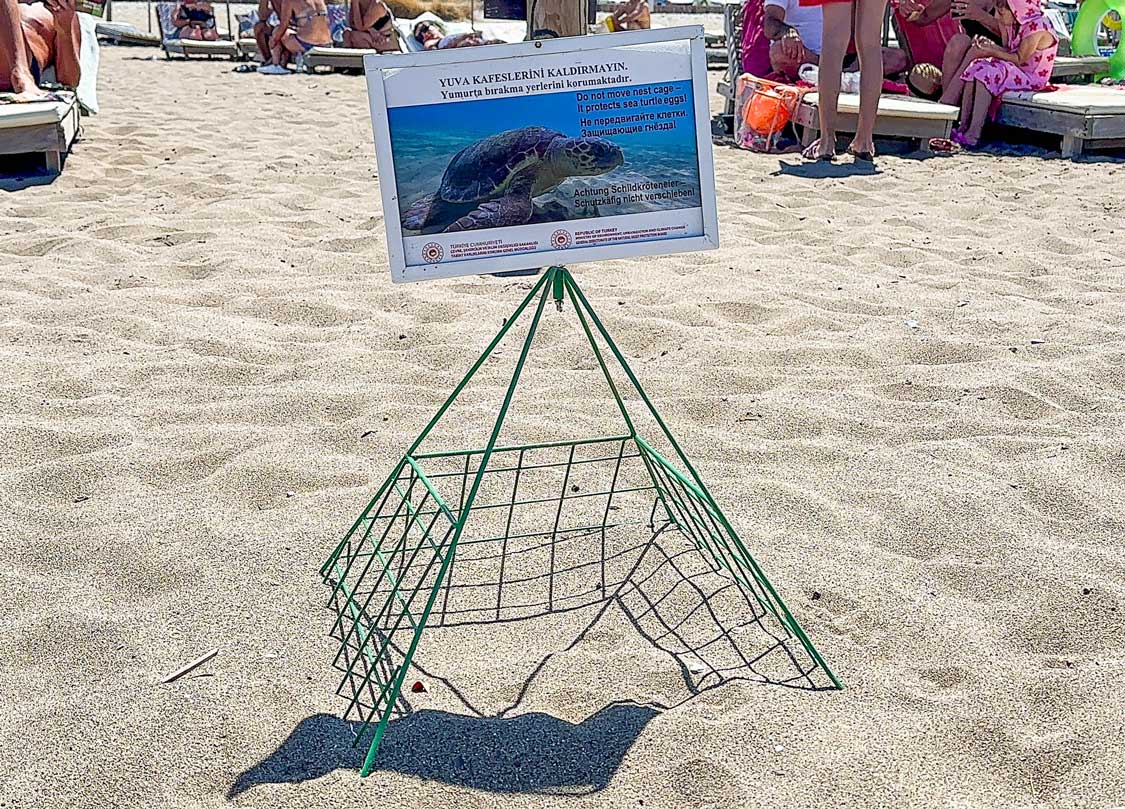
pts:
[905, 389]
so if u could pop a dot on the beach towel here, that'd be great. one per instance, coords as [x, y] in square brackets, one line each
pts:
[755, 46]
[925, 43]
[337, 20]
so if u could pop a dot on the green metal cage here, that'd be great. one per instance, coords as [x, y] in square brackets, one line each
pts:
[511, 532]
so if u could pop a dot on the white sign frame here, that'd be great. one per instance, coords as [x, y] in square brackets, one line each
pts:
[375, 64]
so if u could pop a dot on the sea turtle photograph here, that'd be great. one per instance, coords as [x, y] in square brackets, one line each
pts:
[494, 181]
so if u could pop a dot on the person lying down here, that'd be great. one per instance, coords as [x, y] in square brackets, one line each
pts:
[34, 37]
[431, 36]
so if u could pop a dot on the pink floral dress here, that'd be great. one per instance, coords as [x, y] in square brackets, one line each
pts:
[1000, 76]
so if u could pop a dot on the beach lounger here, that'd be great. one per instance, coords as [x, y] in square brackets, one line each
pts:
[48, 127]
[173, 45]
[899, 117]
[1084, 115]
[118, 33]
[1086, 67]
[244, 24]
[733, 30]
[339, 58]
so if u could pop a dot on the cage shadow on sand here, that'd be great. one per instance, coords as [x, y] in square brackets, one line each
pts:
[595, 555]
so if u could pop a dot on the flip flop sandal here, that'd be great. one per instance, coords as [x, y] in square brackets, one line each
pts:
[811, 154]
[865, 157]
[943, 146]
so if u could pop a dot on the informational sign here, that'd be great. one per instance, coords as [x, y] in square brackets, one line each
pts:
[508, 157]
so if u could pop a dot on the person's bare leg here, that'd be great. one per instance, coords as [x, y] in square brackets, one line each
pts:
[982, 100]
[868, 40]
[68, 42]
[954, 54]
[954, 84]
[837, 32]
[966, 106]
[262, 33]
[279, 56]
[15, 68]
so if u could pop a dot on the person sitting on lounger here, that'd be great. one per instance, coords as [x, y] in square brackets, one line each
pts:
[195, 20]
[432, 37]
[263, 28]
[303, 26]
[1023, 62]
[955, 24]
[795, 32]
[371, 27]
[34, 37]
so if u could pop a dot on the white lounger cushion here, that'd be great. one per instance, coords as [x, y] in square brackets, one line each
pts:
[14, 116]
[1087, 99]
[200, 45]
[356, 53]
[895, 107]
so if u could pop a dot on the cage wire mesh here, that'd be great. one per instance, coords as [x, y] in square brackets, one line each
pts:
[497, 534]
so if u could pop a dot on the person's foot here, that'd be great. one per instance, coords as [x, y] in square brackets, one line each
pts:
[820, 149]
[274, 70]
[864, 152]
[25, 90]
[964, 141]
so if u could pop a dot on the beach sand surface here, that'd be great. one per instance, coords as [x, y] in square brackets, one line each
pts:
[904, 387]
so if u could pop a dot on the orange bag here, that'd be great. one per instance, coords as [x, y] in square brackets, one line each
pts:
[763, 108]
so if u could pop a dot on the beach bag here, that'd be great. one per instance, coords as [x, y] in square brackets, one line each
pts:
[763, 109]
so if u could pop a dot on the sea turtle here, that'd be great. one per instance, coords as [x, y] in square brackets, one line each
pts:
[491, 183]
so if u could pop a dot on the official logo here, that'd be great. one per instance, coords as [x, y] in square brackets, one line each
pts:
[560, 239]
[432, 253]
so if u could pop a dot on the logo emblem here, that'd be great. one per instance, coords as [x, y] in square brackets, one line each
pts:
[560, 239]
[432, 253]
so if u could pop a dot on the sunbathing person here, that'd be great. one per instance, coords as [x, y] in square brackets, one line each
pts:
[371, 27]
[1023, 62]
[195, 20]
[431, 36]
[263, 28]
[303, 26]
[960, 22]
[34, 37]
[795, 32]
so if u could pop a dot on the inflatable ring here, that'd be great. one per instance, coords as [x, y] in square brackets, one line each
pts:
[1084, 39]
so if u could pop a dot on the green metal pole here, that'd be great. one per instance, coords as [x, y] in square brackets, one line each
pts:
[396, 689]
[441, 411]
[635, 382]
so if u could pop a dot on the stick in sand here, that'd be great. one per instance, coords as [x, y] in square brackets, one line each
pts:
[189, 667]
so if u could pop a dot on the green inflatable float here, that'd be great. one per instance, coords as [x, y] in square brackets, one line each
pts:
[1084, 37]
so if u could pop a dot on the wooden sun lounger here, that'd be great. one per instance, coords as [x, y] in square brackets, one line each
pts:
[124, 34]
[337, 58]
[1083, 114]
[1068, 67]
[173, 45]
[899, 117]
[47, 126]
